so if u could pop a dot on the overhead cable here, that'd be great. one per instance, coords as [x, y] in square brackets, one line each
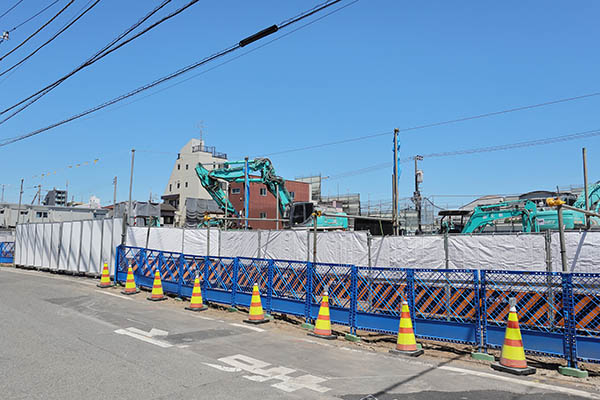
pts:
[11, 8]
[434, 124]
[106, 50]
[487, 149]
[50, 40]
[32, 17]
[37, 31]
[166, 78]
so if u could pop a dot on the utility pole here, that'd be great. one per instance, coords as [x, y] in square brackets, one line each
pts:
[417, 195]
[130, 187]
[585, 187]
[19, 209]
[246, 192]
[39, 193]
[277, 211]
[395, 186]
[3, 193]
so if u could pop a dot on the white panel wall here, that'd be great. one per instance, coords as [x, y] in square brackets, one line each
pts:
[39, 245]
[500, 252]
[75, 239]
[64, 246]
[86, 246]
[408, 251]
[95, 264]
[55, 245]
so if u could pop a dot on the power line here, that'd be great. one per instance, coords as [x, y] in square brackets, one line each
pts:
[234, 58]
[32, 17]
[244, 42]
[487, 149]
[10, 9]
[37, 31]
[50, 40]
[434, 124]
[106, 50]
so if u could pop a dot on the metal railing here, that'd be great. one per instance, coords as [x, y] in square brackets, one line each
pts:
[7, 252]
[559, 312]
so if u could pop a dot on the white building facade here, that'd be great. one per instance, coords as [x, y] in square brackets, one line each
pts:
[184, 182]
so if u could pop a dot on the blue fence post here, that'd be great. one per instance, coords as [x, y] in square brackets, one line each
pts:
[569, 340]
[410, 293]
[477, 308]
[234, 280]
[206, 273]
[353, 298]
[270, 286]
[180, 271]
[483, 310]
[308, 299]
[117, 262]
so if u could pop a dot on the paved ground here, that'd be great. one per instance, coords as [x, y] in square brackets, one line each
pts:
[62, 338]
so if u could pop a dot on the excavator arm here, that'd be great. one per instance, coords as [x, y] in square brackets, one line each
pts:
[233, 171]
[486, 215]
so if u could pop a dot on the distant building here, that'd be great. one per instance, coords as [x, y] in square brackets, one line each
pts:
[315, 186]
[42, 213]
[56, 197]
[142, 212]
[262, 203]
[184, 182]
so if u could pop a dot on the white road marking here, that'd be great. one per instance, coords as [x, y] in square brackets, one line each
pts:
[143, 336]
[158, 332]
[115, 295]
[315, 342]
[532, 384]
[252, 328]
[260, 373]
[202, 317]
[223, 368]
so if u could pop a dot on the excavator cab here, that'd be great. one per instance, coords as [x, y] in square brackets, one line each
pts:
[300, 212]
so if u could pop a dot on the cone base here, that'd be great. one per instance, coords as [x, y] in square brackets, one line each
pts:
[101, 286]
[156, 298]
[203, 308]
[130, 293]
[256, 321]
[328, 337]
[410, 353]
[514, 371]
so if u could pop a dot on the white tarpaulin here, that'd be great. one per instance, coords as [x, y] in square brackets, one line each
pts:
[284, 245]
[340, 247]
[408, 251]
[583, 251]
[239, 244]
[519, 252]
[195, 242]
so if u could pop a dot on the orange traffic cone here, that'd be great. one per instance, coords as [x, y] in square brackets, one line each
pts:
[130, 287]
[323, 324]
[406, 343]
[196, 300]
[105, 279]
[512, 359]
[157, 292]
[257, 315]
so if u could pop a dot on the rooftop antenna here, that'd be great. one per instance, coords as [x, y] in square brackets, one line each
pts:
[200, 126]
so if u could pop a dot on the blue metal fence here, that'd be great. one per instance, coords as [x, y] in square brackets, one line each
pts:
[7, 252]
[559, 313]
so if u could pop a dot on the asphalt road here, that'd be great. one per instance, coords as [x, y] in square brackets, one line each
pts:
[63, 338]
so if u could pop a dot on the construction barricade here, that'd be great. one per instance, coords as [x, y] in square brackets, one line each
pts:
[559, 313]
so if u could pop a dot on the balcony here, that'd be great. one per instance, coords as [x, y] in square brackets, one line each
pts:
[209, 149]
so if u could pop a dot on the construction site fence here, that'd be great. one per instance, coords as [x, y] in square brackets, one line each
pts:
[82, 246]
[559, 312]
[7, 252]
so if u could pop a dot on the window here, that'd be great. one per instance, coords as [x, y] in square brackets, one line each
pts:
[170, 187]
[186, 182]
[235, 191]
[292, 195]
[42, 214]
[178, 166]
[263, 191]
[187, 166]
[178, 185]
[263, 215]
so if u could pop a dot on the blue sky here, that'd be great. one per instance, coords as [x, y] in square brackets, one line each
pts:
[369, 68]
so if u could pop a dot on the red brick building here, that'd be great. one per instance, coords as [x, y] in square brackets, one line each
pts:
[262, 203]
